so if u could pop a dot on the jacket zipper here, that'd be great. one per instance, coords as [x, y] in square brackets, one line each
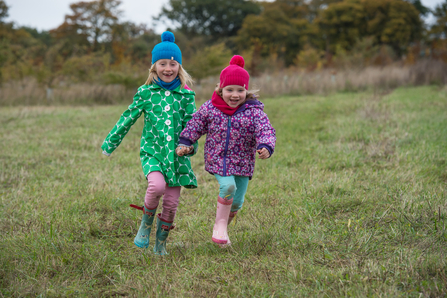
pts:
[226, 147]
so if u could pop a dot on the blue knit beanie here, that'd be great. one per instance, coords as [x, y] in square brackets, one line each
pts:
[167, 49]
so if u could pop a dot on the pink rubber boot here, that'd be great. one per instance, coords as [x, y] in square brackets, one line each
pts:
[220, 235]
[230, 219]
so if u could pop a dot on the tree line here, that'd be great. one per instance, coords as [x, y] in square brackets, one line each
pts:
[93, 44]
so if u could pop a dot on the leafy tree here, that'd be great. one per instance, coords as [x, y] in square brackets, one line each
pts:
[140, 48]
[294, 9]
[208, 17]
[365, 52]
[209, 61]
[393, 22]
[439, 29]
[6, 29]
[309, 58]
[70, 34]
[423, 10]
[43, 36]
[90, 21]
[315, 6]
[3, 43]
[281, 30]
[341, 24]
[49, 69]
[132, 42]
[19, 52]
[3, 11]
[84, 68]
[270, 29]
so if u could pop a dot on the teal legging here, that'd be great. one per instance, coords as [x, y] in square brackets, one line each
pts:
[233, 187]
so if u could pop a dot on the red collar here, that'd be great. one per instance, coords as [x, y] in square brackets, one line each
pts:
[219, 103]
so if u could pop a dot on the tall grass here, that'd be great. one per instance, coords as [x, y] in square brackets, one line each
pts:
[352, 203]
[327, 81]
[29, 93]
[277, 83]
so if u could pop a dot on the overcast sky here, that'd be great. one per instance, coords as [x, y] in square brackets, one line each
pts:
[49, 14]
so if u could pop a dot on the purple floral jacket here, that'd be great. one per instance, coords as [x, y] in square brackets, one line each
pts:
[231, 141]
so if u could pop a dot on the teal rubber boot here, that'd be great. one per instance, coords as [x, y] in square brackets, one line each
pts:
[142, 238]
[161, 236]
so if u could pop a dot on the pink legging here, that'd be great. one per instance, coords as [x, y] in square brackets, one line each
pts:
[156, 188]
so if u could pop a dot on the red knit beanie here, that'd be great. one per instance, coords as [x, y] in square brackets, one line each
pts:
[235, 74]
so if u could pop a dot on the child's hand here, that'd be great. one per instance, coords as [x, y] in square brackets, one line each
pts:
[183, 150]
[263, 153]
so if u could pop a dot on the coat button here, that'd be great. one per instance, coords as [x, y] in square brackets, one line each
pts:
[169, 138]
[167, 93]
[168, 122]
[167, 108]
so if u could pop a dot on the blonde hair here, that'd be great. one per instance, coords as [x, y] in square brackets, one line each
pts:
[251, 94]
[185, 78]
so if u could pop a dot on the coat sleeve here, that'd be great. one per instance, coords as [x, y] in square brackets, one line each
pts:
[122, 127]
[190, 109]
[196, 127]
[265, 134]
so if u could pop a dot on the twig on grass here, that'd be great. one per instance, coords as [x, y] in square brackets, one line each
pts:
[265, 244]
[180, 252]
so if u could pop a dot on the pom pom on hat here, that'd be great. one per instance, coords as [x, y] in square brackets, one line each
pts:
[237, 60]
[167, 49]
[167, 36]
[235, 74]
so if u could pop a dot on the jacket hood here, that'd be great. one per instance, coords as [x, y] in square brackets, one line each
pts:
[251, 104]
[254, 103]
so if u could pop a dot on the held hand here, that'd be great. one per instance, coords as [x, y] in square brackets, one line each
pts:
[183, 150]
[263, 153]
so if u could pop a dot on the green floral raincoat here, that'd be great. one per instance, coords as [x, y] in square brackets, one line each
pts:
[165, 116]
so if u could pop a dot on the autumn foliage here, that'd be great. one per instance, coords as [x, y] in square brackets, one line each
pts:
[94, 45]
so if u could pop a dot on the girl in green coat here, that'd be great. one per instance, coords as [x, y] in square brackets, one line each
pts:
[167, 104]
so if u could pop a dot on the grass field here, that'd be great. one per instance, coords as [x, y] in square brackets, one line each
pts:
[352, 203]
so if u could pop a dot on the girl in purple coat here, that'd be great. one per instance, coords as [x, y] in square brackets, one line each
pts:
[236, 128]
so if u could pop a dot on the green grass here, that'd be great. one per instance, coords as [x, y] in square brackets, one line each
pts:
[352, 203]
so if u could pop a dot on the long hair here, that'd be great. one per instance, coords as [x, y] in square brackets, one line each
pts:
[185, 78]
[251, 94]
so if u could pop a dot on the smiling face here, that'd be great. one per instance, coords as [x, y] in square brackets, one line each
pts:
[234, 95]
[167, 70]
